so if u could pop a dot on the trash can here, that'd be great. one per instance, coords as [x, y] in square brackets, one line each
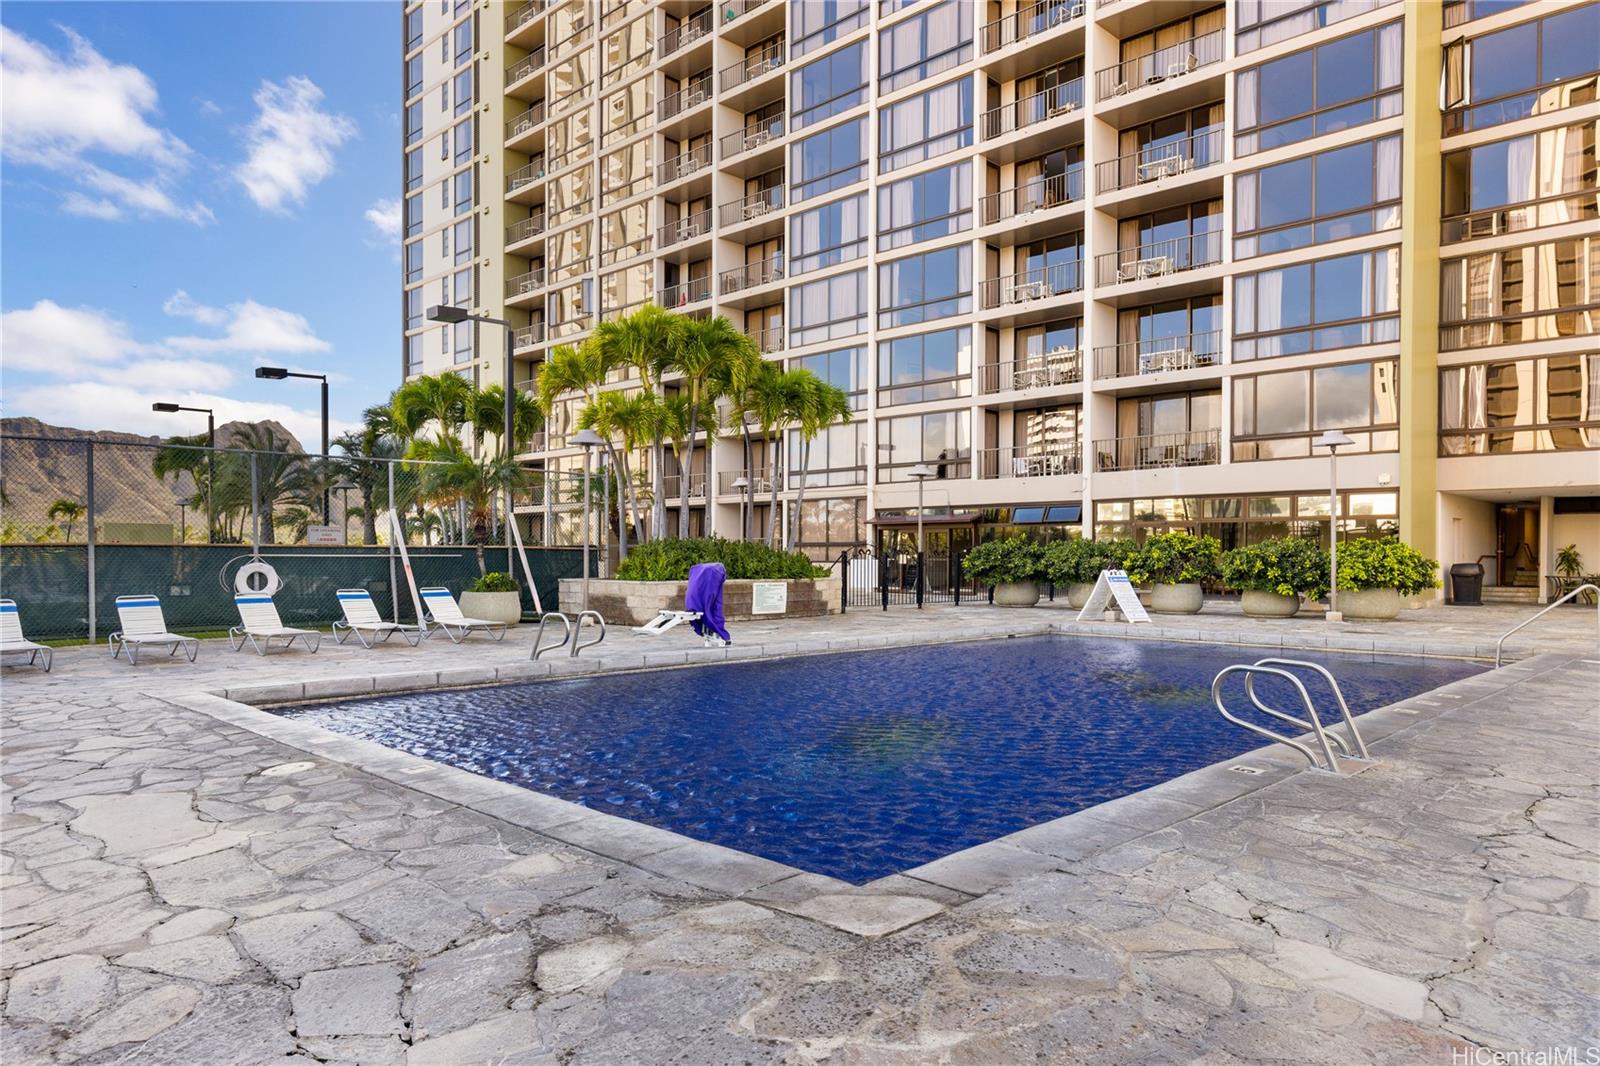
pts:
[1466, 584]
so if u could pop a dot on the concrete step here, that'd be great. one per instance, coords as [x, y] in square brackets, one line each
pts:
[1503, 594]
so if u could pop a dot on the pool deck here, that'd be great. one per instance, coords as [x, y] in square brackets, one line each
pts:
[186, 879]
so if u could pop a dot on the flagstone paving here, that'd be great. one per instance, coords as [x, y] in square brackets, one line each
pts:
[177, 889]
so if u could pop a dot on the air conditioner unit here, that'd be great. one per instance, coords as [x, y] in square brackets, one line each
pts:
[1032, 290]
[1153, 267]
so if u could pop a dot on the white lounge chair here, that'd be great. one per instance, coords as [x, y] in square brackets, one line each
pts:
[361, 618]
[143, 623]
[12, 640]
[260, 625]
[665, 620]
[445, 613]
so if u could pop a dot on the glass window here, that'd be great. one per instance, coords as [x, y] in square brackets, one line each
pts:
[413, 29]
[413, 76]
[463, 41]
[817, 22]
[414, 308]
[1524, 405]
[414, 353]
[930, 366]
[1264, 22]
[464, 91]
[828, 309]
[413, 215]
[463, 192]
[1487, 186]
[463, 239]
[414, 169]
[922, 287]
[1495, 78]
[465, 295]
[837, 456]
[832, 233]
[939, 439]
[1333, 195]
[935, 122]
[463, 139]
[463, 341]
[830, 160]
[934, 204]
[413, 123]
[927, 44]
[844, 368]
[831, 85]
[1339, 302]
[1535, 292]
[1277, 416]
[414, 261]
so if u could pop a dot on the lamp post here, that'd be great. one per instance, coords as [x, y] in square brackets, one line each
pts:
[586, 439]
[741, 484]
[922, 472]
[1333, 440]
[278, 373]
[344, 488]
[211, 459]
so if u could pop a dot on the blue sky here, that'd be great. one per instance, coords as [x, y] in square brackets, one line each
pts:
[190, 190]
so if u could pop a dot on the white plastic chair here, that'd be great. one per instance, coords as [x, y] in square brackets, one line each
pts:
[12, 640]
[260, 625]
[361, 617]
[445, 613]
[143, 623]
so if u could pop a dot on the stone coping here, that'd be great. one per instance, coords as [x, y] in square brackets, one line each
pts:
[878, 907]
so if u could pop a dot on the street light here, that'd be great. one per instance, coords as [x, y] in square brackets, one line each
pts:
[741, 484]
[586, 439]
[922, 472]
[1333, 440]
[211, 459]
[278, 373]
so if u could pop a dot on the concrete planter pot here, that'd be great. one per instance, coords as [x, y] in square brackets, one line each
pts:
[1370, 605]
[493, 606]
[634, 603]
[1176, 599]
[1078, 594]
[1016, 594]
[1259, 604]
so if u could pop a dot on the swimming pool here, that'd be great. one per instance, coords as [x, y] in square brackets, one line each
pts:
[862, 764]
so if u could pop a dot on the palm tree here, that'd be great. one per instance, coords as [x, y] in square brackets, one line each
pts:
[475, 481]
[770, 401]
[634, 417]
[362, 463]
[584, 370]
[278, 471]
[71, 510]
[443, 401]
[819, 405]
[711, 355]
[643, 340]
[487, 413]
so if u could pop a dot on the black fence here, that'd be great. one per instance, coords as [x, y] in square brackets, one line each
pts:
[904, 579]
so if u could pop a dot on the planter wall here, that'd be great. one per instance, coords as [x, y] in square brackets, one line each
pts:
[1016, 594]
[637, 602]
[1176, 599]
[1258, 604]
[493, 606]
[1369, 605]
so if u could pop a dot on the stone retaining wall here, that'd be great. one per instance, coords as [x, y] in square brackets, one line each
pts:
[637, 602]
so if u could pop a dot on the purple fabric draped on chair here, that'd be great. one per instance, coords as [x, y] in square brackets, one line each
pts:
[705, 596]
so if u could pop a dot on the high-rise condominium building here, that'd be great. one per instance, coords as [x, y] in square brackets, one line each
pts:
[1106, 266]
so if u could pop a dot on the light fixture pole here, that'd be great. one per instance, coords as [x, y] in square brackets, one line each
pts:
[586, 439]
[742, 485]
[1333, 440]
[211, 459]
[922, 472]
[278, 373]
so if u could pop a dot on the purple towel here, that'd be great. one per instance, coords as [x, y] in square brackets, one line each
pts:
[705, 596]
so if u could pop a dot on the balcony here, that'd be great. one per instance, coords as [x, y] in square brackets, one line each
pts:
[752, 207]
[1048, 461]
[525, 175]
[741, 141]
[523, 284]
[693, 291]
[1054, 103]
[1160, 259]
[521, 16]
[1159, 355]
[1030, 21]
[690, 162]
[526, 122]
[528, 336]
[685, 33]
[672, 487]
[525, 66]
[691, 95]
[760, 482]
[686, 228]
[1041, 194]
[768, 341]
[525, 229]
[1156, 451]
[1168, 160]
[753, 66]
[1039, 283]
[750, 275]
[1173, 61]
[1059, 366]
[732, 9]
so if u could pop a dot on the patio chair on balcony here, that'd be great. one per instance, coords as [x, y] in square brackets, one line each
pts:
[445, 613]
[12, 640]
[143, 623]
[260, 625]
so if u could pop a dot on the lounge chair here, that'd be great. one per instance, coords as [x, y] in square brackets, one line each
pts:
[143, 623]
[361, 618]
[703, 607]
[446, 613]
[12, 640]
[260, 625]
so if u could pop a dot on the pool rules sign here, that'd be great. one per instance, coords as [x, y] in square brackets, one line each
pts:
[1113, 584]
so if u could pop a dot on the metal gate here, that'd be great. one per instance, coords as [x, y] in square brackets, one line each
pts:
[871, 578]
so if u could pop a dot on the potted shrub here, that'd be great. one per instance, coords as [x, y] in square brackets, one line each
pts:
[1274, 574]
[1074, 564]
[1012, 568]
[1174, 564]
[1374, 575]
[494, 597]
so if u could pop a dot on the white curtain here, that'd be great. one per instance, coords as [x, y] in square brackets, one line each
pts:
[1521, 162]
[1388, 166]
[1245, 100]
[1244, 201]
[1391, 63]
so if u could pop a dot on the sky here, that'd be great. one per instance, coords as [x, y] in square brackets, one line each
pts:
[191, 190]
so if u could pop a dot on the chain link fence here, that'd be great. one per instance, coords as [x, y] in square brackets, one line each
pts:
[85, 521]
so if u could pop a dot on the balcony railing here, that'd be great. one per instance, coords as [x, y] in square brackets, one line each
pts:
[524, 228]
[1046, 461]
[525, 175]
[732, 9]
[1040, 194]
[1173, 61]
[1160, 258]
[523, 284]
[768, 340]
[1154, 162]
[752, 137]
[685, 33]
[681, 166]
[760, 481]
[525, 66]
[528, 336]
[1029, 21]
[1158, 355]
[691, 95]
[753, 206]
[1197, 447]
[672, 486]
[753, 66]
[692, 291]
[752, 274]
[686, 228]
[525, 121]
[1059, 366]
[1040, 283]
[524, 14]
[1054, 103]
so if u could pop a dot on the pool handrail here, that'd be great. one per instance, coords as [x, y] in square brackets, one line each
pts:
[1250, 669]
[578, 631]
[544, 620]
[1587, 586]
[1360, 750]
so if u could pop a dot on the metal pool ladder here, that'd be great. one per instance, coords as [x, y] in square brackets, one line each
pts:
[1499, 645]
[1352, 756]
[571, 632]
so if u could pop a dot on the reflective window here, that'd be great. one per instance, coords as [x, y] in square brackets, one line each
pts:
[941, 440]
[828, 309]
[922, 287]
[1535, 292]
[414, 29]
[836, 456]
[1542, 179]
[414, 308]
[844, 368]
[464, 91]
[1330, 196]
[937, 121]
[829, 160]
[414, 261]
[933, 204]
[413, 215]
[464, 41]
[816, 22]
[413, 123]
[832, 233]
[930, 366]
[1264, 22]
[463, 183]
[1278, 415]
[1333, 303]
[1332, 87]
[1524, 405]
[831, 85]
[926, 44]
[1496, 78]
[463, 139]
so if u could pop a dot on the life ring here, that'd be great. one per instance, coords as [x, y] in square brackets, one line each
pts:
[257, 578]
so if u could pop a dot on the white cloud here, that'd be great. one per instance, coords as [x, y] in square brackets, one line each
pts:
[247, 327]
[65, 341]
[149, 197]
[209, 107]
[75, 203]
[182, 305]
[384, 215]
[291, 143]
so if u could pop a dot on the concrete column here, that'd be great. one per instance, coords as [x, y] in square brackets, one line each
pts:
[1547, 545]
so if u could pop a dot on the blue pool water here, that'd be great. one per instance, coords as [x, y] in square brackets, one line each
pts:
[865, 764]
